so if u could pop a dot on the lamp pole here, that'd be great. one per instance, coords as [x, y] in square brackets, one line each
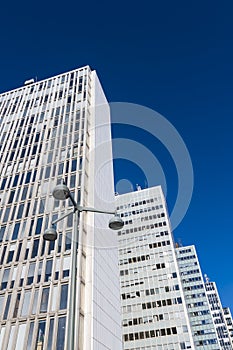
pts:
[62, 192]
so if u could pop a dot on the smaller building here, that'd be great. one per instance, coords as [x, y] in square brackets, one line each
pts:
[228, 321]
[219, 317]
[201, 320]
[154, 314]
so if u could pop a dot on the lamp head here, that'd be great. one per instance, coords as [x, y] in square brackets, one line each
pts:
[116, 223]
[50, 234]
[61, 192]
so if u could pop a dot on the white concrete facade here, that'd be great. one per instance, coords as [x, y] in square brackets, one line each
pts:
[154, 314]
[54, 130]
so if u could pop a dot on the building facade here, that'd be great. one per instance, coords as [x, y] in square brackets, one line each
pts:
[229, 322]
[201, 320]
[154, 312]
[52, 131]
[219, 316]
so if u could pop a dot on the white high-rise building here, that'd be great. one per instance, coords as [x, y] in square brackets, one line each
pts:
[201, 320]
[54, 130]
[219, 316]
[154, 313]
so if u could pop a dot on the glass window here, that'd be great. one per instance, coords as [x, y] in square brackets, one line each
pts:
[35, 248]
[30, 335]
[12, 193]
[20, 211]
[7, 307]
[5, 278]
[2, 332]
[2, 232]
[35, 301]
[26, 303]
[50, 337]
[31, 272]
[44, 300]
[16, 308]
[1, 303]
[39, 226]
[20, 337]
[74, 165]
[11, 339]
[40, 335]
[16, 178]
[24, 193]
[61, 333]
[64, 296]
[54, 298]
[68, 240]
[6, 216]
[16, 231]
[48, 269]
[3, 183]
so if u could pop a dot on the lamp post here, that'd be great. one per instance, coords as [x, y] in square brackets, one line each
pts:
[62, 192]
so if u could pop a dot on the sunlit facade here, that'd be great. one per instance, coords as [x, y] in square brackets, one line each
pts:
[201, 320]
[154, 313]
[51, 131]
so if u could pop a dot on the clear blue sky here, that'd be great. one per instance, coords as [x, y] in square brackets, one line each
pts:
[172, 56]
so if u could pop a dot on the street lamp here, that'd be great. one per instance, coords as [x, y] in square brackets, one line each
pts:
[62, 192]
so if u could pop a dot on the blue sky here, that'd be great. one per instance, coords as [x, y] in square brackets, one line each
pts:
[173, 57]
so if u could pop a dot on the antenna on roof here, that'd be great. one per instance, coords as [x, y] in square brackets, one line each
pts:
[138, 187]
[206, 278]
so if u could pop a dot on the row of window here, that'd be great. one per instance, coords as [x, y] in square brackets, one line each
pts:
[159, 244]
[150, 334]
[161, 303]
[191, 279]
[142, 228]
[149, 235]
[194, 287]
[184, 251]
[135, 204]
[21, 193]
[142, 320]
[197, 304]
[188, 257]
[169, 346]
[65, 85]
[60, 155]
[151, 291]
[190, 272]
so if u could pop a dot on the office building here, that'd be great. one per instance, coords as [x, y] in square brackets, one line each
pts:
[201, 320]
[219, 315]
[51, 131]
[229, 322]
[154, 311]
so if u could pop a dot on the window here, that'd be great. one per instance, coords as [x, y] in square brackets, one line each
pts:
[35, 248]
[61, 333]
[48, 270]
[44, 300]
[26, 303]
[40, 335]
[64, 296]
[16, 231]
[50, 336]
